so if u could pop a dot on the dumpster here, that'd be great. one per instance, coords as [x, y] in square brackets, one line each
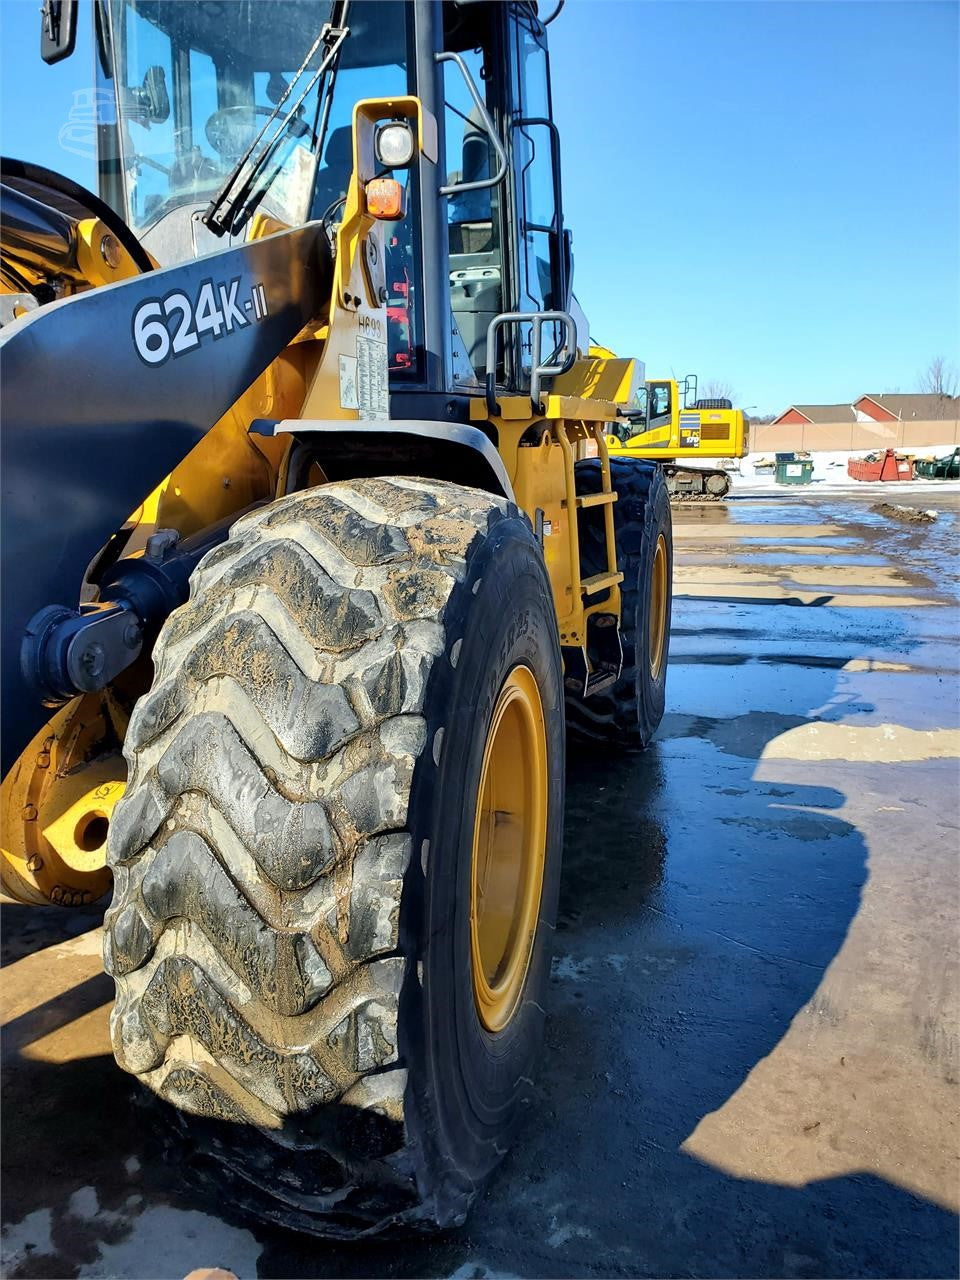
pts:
[945, 468]
[887, 465]
[799, 471]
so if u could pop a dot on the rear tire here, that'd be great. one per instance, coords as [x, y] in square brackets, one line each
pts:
[628, 713]
[290, 933]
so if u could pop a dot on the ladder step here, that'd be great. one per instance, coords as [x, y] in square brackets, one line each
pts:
[596, 499]
[599, 582]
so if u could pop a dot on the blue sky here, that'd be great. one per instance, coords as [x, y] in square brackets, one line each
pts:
[765, 193]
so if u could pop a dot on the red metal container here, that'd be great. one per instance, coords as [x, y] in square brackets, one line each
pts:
[886, 466]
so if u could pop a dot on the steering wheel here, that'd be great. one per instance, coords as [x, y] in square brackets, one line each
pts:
[231, 130]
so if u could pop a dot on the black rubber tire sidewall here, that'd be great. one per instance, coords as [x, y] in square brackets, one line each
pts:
[469, 1086]
[651, 691]
[626, 716]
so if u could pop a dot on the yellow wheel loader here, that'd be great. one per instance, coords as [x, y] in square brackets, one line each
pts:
[302, 578]
[670, 424]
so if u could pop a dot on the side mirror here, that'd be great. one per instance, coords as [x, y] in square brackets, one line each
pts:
[153, 97]
[58, 29]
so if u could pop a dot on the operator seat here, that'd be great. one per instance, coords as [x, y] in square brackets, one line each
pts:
[332, 178]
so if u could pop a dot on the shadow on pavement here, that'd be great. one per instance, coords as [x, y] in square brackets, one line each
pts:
[699, 910]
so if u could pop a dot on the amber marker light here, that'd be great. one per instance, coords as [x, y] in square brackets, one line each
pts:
[385, 199]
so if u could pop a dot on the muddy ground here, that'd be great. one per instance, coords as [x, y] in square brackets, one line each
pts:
[752, 1055]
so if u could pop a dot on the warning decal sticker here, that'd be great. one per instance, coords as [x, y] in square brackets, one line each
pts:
[373, 390]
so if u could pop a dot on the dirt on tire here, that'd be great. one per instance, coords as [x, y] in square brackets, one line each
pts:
[263, 847]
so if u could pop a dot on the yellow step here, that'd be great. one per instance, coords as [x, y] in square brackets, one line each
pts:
[600, 582]
[596, 499]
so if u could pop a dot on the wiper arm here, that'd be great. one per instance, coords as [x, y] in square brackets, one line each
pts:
[229, 209]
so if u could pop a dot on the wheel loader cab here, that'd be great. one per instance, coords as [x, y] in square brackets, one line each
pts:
[195, 84]
[504, 213]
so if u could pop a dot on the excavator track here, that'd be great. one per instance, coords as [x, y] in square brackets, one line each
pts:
[696, 484]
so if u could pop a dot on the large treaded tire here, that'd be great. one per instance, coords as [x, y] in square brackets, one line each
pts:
[289, 933]
[628, 713]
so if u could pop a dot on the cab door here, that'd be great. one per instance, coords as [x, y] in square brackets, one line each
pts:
[539, 253]
[661, 410]
[660, 400]
[507, 249]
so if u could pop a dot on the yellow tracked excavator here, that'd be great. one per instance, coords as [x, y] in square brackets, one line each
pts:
[669, 424]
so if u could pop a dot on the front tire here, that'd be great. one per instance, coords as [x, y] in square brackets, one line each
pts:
[291, 932]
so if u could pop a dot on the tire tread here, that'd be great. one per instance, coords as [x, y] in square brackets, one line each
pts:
[260, 849]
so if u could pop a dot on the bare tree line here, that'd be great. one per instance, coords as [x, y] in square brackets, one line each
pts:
[717, 389]
[939, 378]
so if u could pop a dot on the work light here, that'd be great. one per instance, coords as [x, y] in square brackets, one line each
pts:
[395, 145]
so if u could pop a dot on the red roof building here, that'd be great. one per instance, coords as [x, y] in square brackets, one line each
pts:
[908, 408]
[811, 413]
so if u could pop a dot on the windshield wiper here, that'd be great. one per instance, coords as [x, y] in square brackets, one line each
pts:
[232, 205]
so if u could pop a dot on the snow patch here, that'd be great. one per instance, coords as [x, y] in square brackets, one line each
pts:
[26, 1239]
[167, 1244]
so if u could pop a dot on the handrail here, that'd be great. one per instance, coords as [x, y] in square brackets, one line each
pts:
[538, 371]
[489, 130]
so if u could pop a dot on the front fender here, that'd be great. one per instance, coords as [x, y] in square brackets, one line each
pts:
[90, 427]
[412, 447]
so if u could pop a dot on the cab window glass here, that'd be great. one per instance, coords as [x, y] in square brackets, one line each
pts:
[534, 177]
[203, 100]
[196, 82]
[476, 276]
[148, 121]
[469, 158]
[659, 399]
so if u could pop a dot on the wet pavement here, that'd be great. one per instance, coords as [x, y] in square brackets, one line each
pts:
[752, 1056]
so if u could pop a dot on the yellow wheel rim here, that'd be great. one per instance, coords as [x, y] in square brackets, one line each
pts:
[509, 843]
[658, 608]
